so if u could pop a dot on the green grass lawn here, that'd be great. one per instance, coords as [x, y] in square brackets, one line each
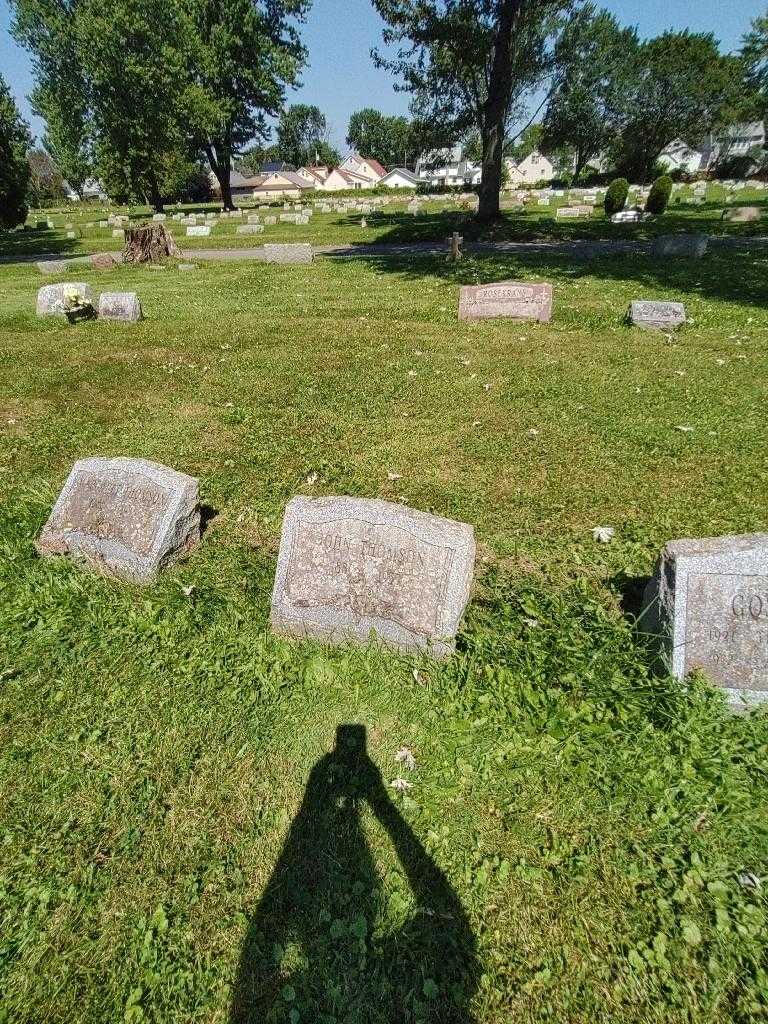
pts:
[435, 221]
[182, 837]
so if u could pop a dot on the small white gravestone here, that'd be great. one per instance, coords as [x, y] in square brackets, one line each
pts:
[158, 218]
[300, 252]
[568, 212]
[198, 230]
[126, 517]
[124, 306]
[516, 299]
[52, 298]
[118, 233]
[656, 314]
[270, 220]
[709, 603]
[350, 568]
[249, 229]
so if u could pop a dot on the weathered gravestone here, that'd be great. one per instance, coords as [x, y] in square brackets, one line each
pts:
[158, 218]
[253, 218]
[51, 266]
[742, 214]
[270, 220]
[349, 567]
[709, 603]
[300, 252]
[123, 306]
[249, 229]
[52, 298]
[680, 245]
[127, 517]
[103, 261]
[118, 233]
[514, 299]
[198, 230]
[565, 212]
[656, 315]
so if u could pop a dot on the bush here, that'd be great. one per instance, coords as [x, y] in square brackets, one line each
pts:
[659, 195]
[616, 196]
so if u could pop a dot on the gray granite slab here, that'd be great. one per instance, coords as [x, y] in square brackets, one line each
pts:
[123, 306]
[350, 568]
[300, 252]
[517, 299]
[656, 314]
[125, 517]
[694, 246]
[709, 603]
[198, 230]
[50, 298]
[51, 266]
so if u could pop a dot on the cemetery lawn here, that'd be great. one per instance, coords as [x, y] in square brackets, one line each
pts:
[603, 826]
[393, 225]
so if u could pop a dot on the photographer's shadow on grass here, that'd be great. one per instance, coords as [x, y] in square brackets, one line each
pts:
[324, 945]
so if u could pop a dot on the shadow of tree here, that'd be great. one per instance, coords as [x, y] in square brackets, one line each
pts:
[728, 273]
[324, 945]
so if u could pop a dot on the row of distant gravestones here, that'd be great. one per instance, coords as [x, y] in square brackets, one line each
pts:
[350, 569]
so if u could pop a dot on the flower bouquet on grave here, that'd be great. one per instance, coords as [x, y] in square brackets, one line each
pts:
[76, 306]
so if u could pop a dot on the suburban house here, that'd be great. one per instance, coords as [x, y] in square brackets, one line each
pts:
[534, 168]
[447, 167]
[737, 140]
[363, 167]
[679, 156]
[242, 187]
[315, 175]
[399, 177]
[278, 184]
[92, 189]
[339, 180]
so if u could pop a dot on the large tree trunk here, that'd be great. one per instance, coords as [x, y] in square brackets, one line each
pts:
[220, 158]
[148, 243]
[495, 109]
[155, 199]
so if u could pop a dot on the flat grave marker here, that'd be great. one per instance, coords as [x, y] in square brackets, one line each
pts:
[656, 314]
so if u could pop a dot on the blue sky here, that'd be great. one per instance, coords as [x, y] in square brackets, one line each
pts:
[340, 33]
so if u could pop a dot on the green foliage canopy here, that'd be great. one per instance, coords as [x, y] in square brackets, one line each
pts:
[14, 169]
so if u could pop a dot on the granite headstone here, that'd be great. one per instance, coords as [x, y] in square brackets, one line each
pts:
[350, 567]
[656, 314]
[709, 603]
[516, 299]
[124, 306]
[127, 517]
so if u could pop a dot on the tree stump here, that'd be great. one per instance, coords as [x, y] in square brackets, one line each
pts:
[148, 243]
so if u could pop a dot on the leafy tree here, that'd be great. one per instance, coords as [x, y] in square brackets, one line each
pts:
[301, 132]
[682, 88]
[595, 62]
[251, 160]
[116, 74]
[390, 140]
[529, 139]
[243, 54]
[755, 56]
[469, 65]
[46, 184]
[14, 169]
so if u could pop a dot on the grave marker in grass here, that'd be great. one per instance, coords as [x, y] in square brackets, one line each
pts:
[709, 603]
[515, 299]
[352, 567]
[125, 517]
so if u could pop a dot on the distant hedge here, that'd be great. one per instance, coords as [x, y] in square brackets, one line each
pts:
[616, 196]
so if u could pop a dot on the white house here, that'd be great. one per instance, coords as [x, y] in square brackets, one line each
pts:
[399, 177]
[92, 189]
[679, 156]
[339, 180]
[280, 184]
[534, 168]
[314, 174]
[447, 167]
[736, 140]
[363, 167]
